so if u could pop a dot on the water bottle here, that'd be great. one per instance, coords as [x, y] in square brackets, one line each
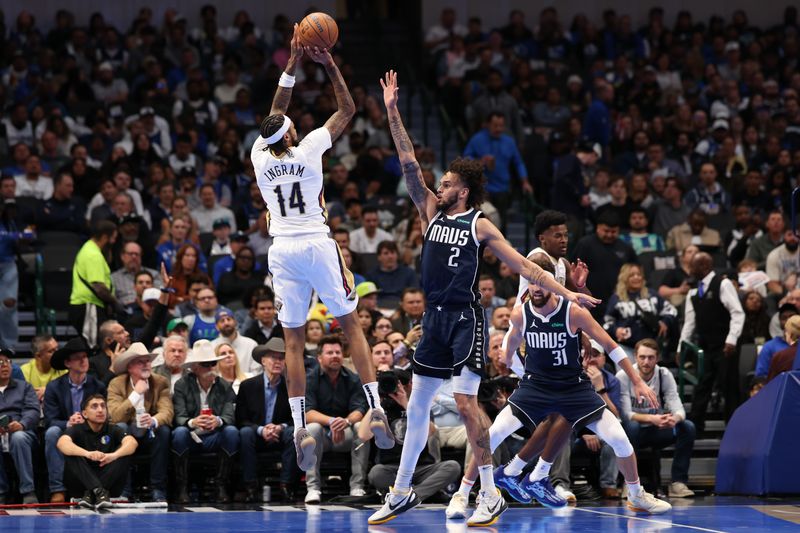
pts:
[266, 493]
[139, 426]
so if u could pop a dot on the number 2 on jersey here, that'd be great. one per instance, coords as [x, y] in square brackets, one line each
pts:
[560, 357]
[295, 199]
[452, 261]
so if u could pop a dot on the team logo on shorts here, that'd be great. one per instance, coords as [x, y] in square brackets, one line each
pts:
[278, 303]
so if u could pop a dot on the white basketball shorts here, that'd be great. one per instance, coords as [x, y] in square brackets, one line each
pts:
[304, 263]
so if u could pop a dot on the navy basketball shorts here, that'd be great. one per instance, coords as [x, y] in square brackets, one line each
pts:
[452, 338]
[577, 402]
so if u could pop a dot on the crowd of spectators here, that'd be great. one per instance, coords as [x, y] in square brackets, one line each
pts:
[677, 145]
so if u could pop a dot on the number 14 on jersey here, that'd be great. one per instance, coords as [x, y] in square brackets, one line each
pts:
[295, 199]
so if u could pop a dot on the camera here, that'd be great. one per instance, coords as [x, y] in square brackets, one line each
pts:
[389, 380]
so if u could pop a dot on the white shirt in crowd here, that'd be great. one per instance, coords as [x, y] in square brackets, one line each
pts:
[361, 243]
[729, 298]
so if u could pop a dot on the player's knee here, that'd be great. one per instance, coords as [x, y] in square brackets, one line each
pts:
[618, 440]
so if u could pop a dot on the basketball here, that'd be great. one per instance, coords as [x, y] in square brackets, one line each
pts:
[318, 29]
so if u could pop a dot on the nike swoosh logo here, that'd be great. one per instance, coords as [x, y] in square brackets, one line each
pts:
[394, 507]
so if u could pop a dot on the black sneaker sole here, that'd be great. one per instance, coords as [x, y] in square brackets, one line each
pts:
[397, 512]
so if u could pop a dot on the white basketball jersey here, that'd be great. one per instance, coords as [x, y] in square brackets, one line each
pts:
[291, 185]
[559, 264]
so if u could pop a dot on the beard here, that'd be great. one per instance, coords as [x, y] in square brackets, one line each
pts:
[792, 247]
[540, 301]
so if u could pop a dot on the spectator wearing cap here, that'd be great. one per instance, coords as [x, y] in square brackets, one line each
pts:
[155, 127]
[265, 420]
[229, 333]
[32, 182]
[225, 264]
[63, 211]
[194, 431]
[266, 325]
[210, 211]
[18, 403]
[107, 88]
[658, 430]
[91, 283]
[731, 69]
[709, 195]
[62, 405]
[391, 276]
[334, 405]
[221, 245]
[97, 455]
[146, 308]
[775, 344]
[604, 253]
[173, 355]
[368, 298]
[124, 279]
[138, 387]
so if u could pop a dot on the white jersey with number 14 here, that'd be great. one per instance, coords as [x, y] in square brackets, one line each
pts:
[291, 185]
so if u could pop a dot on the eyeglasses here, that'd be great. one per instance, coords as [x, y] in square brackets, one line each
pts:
[5, 362]
[208, 364]
[384, 326]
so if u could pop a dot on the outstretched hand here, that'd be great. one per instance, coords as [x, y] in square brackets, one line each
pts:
[319, 55]
[296, 47]
[584, 300]
[390, 88]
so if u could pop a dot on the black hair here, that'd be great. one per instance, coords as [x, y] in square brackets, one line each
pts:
[547, 219]
[369, 209]
[91, 397]
[608, 218]
[270, 126]
[104, 228]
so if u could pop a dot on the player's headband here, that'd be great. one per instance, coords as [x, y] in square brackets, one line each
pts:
[278, 135]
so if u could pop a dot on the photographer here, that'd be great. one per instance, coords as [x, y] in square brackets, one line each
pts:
[430, 476]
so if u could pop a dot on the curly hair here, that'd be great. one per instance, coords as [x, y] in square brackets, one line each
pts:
[470, 172]
[547, 219]
[269, 126]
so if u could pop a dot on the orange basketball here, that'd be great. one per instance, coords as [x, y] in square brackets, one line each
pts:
[318, 29]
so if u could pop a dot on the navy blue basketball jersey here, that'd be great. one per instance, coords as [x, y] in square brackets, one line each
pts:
[451, 258]
[552, 352]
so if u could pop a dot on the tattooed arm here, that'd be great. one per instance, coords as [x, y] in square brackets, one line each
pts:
[346, 107]
[422, 196]
[283, 95]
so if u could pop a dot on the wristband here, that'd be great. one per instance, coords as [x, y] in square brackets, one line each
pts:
[287, 80]
[617, 354]
[169, 290]
[602, 391]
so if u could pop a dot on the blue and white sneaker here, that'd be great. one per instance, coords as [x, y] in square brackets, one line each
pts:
[543, 491]
[510, 484]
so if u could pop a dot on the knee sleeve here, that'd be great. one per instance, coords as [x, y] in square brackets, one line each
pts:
[504, 425]
[610, 431]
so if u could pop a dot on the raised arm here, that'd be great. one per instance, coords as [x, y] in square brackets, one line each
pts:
[344, 100]
[280, 103]
[420, 194]
[489, 235]
[513, 337]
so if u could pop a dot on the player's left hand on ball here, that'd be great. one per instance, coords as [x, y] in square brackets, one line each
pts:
[319, 55]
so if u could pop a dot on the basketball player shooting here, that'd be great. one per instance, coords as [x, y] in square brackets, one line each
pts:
[454, 331]
[303, 257]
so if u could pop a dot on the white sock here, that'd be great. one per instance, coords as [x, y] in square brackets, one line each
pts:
[466, 487]
[298, 406]
[373, 399]
[487, 479]
[514, 467]
[541, 471]
[634, 488]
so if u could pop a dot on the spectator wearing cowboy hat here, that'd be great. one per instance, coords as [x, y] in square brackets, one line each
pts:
[263, 414]
[62, 405]
[138, 387]
[19, 408]
[194, 431]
